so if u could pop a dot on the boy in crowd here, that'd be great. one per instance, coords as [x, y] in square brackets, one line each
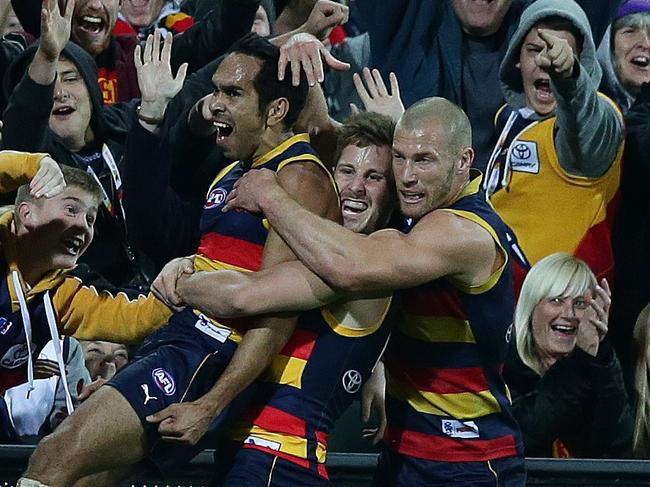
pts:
[556, 166]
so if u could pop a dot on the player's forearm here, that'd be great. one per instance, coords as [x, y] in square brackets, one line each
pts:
[253, 355]
[325, 247]
[216, 293]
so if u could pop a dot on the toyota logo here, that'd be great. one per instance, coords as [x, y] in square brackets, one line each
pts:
[352, 381]
[522, 151]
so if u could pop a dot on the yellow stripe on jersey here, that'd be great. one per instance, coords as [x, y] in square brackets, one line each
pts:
[437, 329]
[462, 405]
[202, 263]
[289, 444]
[285, 370]
[263, 159]
[494, 277]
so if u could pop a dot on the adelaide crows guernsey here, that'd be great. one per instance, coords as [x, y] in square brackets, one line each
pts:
[309, 385]
[549, 209]
[235, 239]
[446, 399]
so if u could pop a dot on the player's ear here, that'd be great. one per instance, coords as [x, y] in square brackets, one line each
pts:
[276, 111]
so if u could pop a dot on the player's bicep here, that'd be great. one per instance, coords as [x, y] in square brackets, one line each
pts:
[310, 186]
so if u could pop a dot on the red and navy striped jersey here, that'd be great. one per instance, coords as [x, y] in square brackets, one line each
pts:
[446, 399]
[235, 239]
[308, 387]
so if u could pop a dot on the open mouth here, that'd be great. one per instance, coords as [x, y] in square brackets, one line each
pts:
[224, 130]
[411, 197]
[568, 330]
[73, 245]
[92, 24]
[62, 111]
[354, 207]
[640, 61]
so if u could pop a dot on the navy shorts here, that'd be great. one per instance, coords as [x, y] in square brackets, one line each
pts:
[255, 467]
[401, 470]
[177, 363]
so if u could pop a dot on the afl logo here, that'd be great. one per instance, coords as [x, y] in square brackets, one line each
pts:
[164, 381]
[352, 381]
[522, 151]
[215, 198]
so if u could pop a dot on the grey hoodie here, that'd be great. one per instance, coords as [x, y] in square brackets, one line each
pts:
[590, 130]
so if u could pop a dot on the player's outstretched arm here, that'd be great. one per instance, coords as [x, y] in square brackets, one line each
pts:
[385, 260]
[289, 286]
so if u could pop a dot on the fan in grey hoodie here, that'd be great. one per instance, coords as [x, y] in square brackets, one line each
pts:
[561, 141]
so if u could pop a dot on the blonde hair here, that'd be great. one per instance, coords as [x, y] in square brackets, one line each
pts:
[641, 341]
[556, 275]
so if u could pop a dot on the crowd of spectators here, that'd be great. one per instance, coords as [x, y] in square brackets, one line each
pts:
[558, 96]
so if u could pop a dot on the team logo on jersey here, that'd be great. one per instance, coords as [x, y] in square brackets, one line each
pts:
[164, 381]
[458, 429]
[215, 198]
[524, 157]
[15, 356]
[352, 381]
[5, 324]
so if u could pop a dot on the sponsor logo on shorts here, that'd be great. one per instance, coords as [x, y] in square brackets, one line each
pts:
[216, 197]
[164, 381]
[206, 326]
[5, 325]
[257, 441]
[352, 381]
[147, 397]
[15, 356]
[509, 332]
[458, 429]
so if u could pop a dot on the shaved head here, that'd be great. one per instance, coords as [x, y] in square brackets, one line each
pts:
[442, 113]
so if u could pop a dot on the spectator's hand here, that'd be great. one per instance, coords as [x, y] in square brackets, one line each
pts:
[88, 390]
[55, 28]
[314, 117]
[373, 397]
[557, 57]
[164, 286]
[246, 192]
[48, 180]
[325, 15]
[183, 422]
[157, 84]
[303, 51]
[45, 368]
[594, 326]
[376, 98]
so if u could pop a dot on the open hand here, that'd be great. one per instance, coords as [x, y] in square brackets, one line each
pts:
[48, 180]
[155, 78]
[55, 28]
[249, 189]
[376, 97]
[304, 51]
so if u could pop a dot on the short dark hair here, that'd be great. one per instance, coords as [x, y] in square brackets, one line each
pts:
[74, 177]
[266, 82]
[365, 129]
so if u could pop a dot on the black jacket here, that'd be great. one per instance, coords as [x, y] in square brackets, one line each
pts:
[581, 400]
[27, 129]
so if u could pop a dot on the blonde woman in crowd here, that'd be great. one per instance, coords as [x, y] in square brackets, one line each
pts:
[567, 387]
